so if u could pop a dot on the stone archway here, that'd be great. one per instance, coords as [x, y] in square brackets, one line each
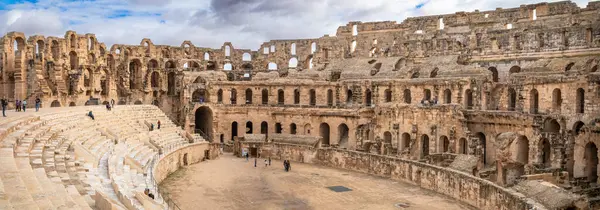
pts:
[324, 132]
[591, 162]
[55, 103]
[204, 120]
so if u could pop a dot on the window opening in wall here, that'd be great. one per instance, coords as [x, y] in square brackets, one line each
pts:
[353, 46]
[272, 66]
[296, 96]
[246, 57]
[206, 56]
[227, 51]
[293, 49]
[580, 101]
[441, 24]
[313, 97]
[227, 67]
[354, 30]
[310, 63]
[588, 35]
[293, 63]
[313, 48]
[509, 26]
[329, 97]
[486, 15]
[278, 128]
[272, 48]
[266, 50]
[534, 14]
[419, 32]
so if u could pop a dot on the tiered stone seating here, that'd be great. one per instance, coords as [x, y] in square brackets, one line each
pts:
[65, 160]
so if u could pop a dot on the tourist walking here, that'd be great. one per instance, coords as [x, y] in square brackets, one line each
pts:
[246, 156]
[285, 166]
[266, 163]
[112, 102]
[151, 126]
[255, 162]
[37, 104]
[4, 104]
[158, 123]
[17, 106]
[269, 160]
[91, 115]
[24, 103]
[107, 107]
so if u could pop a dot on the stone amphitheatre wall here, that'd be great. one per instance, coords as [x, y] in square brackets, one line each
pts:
[477, 192]
[194, 153]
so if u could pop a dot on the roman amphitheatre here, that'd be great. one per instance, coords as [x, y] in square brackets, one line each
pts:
[472, 110]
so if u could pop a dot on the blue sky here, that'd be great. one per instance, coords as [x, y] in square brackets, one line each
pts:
[210, 23]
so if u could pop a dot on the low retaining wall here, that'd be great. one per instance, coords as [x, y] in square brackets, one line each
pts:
[463, 187]
[189, 154]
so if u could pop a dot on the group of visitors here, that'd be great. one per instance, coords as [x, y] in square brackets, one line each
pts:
[152, 125]
[287, 165]
[19, 105]
[429, 102]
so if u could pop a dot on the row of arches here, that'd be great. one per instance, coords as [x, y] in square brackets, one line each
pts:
[556, 100]
[280, 96]
[324, 131]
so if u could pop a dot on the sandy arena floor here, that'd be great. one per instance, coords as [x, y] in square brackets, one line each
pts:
[233, 183]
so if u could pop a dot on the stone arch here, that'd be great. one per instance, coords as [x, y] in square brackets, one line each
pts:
[343, 135]
[55, 50]
[293, 49]
[247, 67]
[152, 64]
[264, 127]
[522, 150]
[220, 96]
[533, 101]
[388, 95]
[307, 128]
[387, 138]
[405, 141]
[434, 73]
[55, 103]
[580, 101]
[249, 127]
[227, 51]
[313, 48]
[203, 122]
[293, 128]
[443, 144]
[427, 94]
[233, 98]
[324, 131]
[227, 67]
[278, 128]
[280, 97]
[447, 96]
[155, 80]
[349, 96]
[199, 96]
[368, 98]
[463, 146]
[135, 72]
[591, 162]
[293, 63]
[545, 152]
[272, 66]
[494, 73]
[234, 130]
[484, 147]
[104, 82]
[514, 69]
[329, 97]
[265, 96]
[39, 46]
[73, 60]
[556, 99]
[138, 102]
[87, 78]
[246, 57]
[424, 145]
[577, 126]
[512, 99]
[313, 97]
[296, 96]
[73, 41]
[569, 66]
[248, 96]
[171, 83]
[407, 96]
[207, 56]
[469, 99]
[551, 126]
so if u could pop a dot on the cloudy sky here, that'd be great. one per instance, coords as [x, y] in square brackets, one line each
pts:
[210, 23]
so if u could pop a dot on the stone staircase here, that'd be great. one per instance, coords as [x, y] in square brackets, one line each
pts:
[65, 160]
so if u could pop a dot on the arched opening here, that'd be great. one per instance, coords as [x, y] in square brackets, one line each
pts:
[512, 99]
[556, 100]
[220, 96]
[39, 47]
[343, 132]
[293, 49]
[55, 103]
[484, 147]
[234, 130]
[313, 97]
[514, 69]
[387, 139]
[296, 96]
[368, 97]
[427, 94]
[73, 60]
[73, 41]
[280, 97]
[154, 80]
[545, 152]
[522, 145]
[313, 48]
[569, 66]
[104, 82]
[329, 97]
[349, 96]
[293, 63]
[447, 96]
[278, 128]
[407, 97]
[233, 98]
[580, 101]
[388, 95]
[248, 96]
[152, 64]
[264, 128]
[185, 159]
[353, 46]
[87, 78]
[307, 128]
[405, 143]
[293, 128]
[494, 73]
[249, 128]
[469, 99]
[156, 103]
[434, 73]
[227, 67]
[551, 126]
[444, 144]
[134, 73]
[204, 120]
[265, 96]
[71, 104]
[463, 146]
[138, 102]
[324, 132]
[272, 66]
[171, 83]
[424, 145]
[533, 101]
[211, 66]
[246, 57]
[591, 162]
[577, 127]
[55, 48]
[227, 51]
[199, 96]
[206, 56]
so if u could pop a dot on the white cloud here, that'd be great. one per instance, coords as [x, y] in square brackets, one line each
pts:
[210, 23]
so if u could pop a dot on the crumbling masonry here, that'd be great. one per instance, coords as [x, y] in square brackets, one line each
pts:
[517, 88]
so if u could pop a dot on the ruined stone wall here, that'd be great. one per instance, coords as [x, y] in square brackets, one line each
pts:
[187, 155]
